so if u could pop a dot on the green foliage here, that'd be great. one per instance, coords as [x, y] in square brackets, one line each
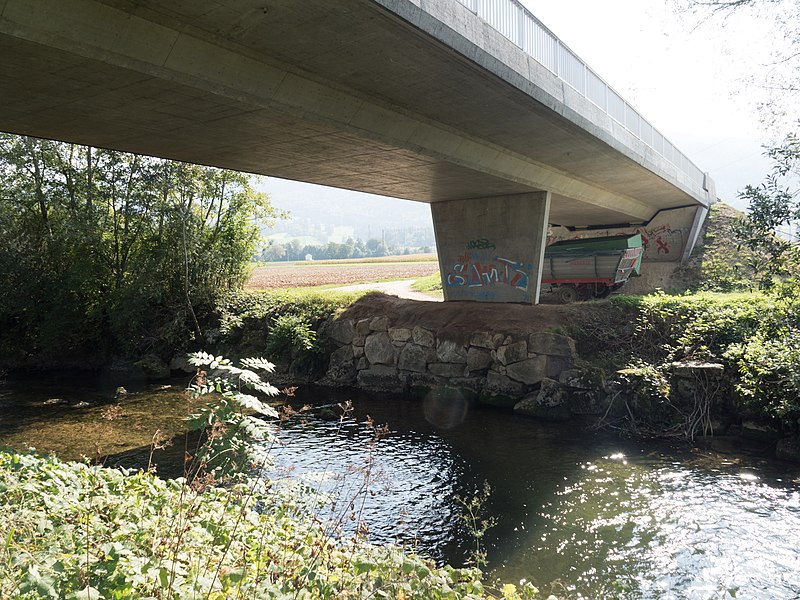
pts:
[768, 362]
[105, 252]
[291, 334]
[771, 205]
[754, 335]
[476, 522]
[267, 305]
[697, 326]
[236, 441]
[74, 531]
[430, 283]
[769, 374]
[283, 323]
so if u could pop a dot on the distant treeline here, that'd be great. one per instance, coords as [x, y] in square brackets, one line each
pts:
[105, 254]
[351, 248]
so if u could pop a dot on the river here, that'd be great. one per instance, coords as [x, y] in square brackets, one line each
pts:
[583, 513]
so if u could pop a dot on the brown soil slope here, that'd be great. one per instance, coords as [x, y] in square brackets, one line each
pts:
[457, 321]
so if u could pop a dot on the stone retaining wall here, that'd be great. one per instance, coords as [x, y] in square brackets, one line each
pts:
[493, 368]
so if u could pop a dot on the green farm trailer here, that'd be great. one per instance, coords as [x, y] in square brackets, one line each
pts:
[591, 267]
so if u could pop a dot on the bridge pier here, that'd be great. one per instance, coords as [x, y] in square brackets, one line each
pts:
[491, 249]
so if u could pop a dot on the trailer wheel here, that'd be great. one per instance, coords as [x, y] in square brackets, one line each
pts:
[567, 294]
[602, 291]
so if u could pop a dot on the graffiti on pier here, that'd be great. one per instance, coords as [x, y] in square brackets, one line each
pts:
[661, 241]
[480, 244]
[481, 270]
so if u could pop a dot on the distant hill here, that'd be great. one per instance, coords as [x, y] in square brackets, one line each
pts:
[331, 214]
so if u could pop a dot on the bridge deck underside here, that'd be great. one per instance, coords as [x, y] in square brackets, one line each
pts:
[362, 55]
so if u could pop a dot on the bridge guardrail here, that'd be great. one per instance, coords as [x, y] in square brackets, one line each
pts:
[518, 24]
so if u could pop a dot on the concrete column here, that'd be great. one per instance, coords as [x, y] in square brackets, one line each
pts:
[492, 249]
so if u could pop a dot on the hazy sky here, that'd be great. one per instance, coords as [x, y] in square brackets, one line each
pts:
[686, 76]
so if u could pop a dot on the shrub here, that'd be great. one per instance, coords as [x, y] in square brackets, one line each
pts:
[756, 336]
[769, 375]
[291, 334]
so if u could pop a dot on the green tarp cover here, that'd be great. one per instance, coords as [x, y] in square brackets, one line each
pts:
[593, 245]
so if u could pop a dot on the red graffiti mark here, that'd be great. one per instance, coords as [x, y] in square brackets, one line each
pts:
[662, 246]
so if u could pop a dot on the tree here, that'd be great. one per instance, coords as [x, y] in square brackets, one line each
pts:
[772, 205]
[106, 252]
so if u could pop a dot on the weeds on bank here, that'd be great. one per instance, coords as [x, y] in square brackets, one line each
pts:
[225, 530]
[476, 522]
[753, 336]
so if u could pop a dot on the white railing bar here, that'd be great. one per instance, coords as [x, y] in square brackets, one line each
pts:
[494, 12]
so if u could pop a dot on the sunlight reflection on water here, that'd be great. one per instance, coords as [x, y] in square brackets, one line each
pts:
[597, 520]
[600, 516]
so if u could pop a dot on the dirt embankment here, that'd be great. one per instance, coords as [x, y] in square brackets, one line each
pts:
[457, 321]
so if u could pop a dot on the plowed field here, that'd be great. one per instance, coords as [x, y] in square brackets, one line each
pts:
[305, 274]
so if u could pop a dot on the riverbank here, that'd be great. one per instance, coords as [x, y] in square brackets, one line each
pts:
[683, 366]
[111, 534]
[686, 366]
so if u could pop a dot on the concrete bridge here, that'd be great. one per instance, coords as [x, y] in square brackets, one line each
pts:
[470, 105]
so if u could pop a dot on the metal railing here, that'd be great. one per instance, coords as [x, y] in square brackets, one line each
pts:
[517, 23]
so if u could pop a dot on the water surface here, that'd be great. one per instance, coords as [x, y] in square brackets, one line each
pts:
[582, 513]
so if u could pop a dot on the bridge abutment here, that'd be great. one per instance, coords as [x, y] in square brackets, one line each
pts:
[491, 249]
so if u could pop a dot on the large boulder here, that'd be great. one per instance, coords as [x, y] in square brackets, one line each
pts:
[342, 332]
[342, 369]
[502, 384]
[380, 378]
[362, 327]
[379, 349]
[483, 339]
[548, 403]
[423, 337]
[478, 359]
[529, 371]
[512, 353]
[413, 358]
[153, 367]
[451, 352]
[399, 334]
[551, 344]
[583, 377]
[379, 323]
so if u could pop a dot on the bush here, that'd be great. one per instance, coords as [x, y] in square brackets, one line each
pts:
[283, 323]
[291, 335]
[756, 336]
[769, 375]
